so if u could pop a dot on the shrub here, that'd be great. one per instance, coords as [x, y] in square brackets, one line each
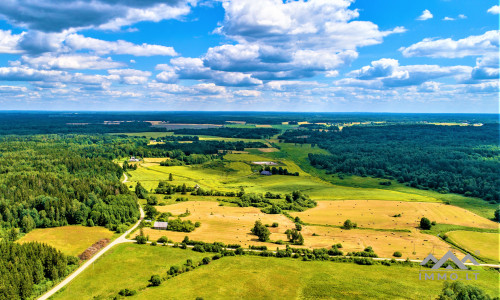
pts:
[275, 224]
[206, 260]
[141, 239]
[127, 292]
[497, 215]
[155, 280]
[197, 224]
[163, 239]
[154, 243]
[397, 254]
[348, 224]
[425, 223]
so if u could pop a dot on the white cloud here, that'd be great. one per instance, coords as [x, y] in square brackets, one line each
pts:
[388, 73]
[461, 16]
[495, 10]
[248, 93]
[7, 89]
[131, 76]
[484, 87]
[57, 16]
[70, 61]
[474, 45]
[100, 47]
[426, 15]
[448, 19]
[9, 42]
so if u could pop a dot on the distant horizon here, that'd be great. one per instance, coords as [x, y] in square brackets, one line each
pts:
[247, 55]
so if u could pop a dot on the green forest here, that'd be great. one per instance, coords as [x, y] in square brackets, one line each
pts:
[448, 159]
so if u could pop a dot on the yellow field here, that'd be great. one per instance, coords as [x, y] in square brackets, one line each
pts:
[379, 214]
[71, 240]
[414, 245]
[486, 243]
[233, 224]
[222, 223]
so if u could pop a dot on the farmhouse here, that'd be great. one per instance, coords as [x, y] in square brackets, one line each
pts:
[160, 225]
[267, 173]
[133, 159]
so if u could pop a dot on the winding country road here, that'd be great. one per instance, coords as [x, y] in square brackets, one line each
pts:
[119, 240]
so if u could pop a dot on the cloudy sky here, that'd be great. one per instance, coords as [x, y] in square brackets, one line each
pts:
[270, 55]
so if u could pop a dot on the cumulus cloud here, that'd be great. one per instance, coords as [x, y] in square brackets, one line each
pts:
[484, 87]
[100, 47]
[70, 62]
[495, 10]
[194, 68]
[448, 19]
[9, 42]
[131, 76]
[59, 15]
[474, 45]
[426, 15]
[388, 73]
[486, 67]
[291, 39]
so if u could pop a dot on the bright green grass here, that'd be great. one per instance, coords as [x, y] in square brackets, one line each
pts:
[125, 266]
[251, 277]
[486, 243]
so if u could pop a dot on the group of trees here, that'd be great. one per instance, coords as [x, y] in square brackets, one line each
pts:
[230, 132]
[274, 203]
[49, 181]
[25, 268]
[261, 231]
[447, 159]
[279, 171]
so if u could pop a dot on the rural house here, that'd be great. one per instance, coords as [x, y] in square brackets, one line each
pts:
[160, 225]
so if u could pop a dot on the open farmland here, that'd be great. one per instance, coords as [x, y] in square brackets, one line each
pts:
[71, 240]
[241, 276]
[486, 243]
[232, 225]
[381, 214]
[124, 266]
[222, 223]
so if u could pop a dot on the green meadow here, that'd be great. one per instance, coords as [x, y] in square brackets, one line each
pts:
[251, 277]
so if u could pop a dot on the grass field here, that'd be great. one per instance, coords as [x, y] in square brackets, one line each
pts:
[486, 243]
[71, 240]
[379, 214]
[124, 266]
[250, 277]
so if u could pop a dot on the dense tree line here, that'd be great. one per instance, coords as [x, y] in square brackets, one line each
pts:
[230, 132]
[26, 269]
[448, 159]
[278, 171]
[274, 203]
[48, 181]
[200, 147]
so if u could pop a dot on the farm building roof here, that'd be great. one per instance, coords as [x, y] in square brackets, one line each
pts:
[160, 225]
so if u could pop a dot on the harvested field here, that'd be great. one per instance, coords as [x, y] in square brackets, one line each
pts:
[265, 163]
[223, 223]
[267, 150]
[380, 214]
[71, 240]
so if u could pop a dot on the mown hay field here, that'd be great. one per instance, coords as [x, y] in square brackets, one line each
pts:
[381, 214]
[232, 225]
[71, 240]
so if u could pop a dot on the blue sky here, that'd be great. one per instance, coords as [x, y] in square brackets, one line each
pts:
[257, 55]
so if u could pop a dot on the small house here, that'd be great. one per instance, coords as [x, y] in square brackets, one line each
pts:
[266, 173]
[133, 159]
[160, 225]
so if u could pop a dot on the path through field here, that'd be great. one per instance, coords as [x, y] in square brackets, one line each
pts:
[119, 240]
